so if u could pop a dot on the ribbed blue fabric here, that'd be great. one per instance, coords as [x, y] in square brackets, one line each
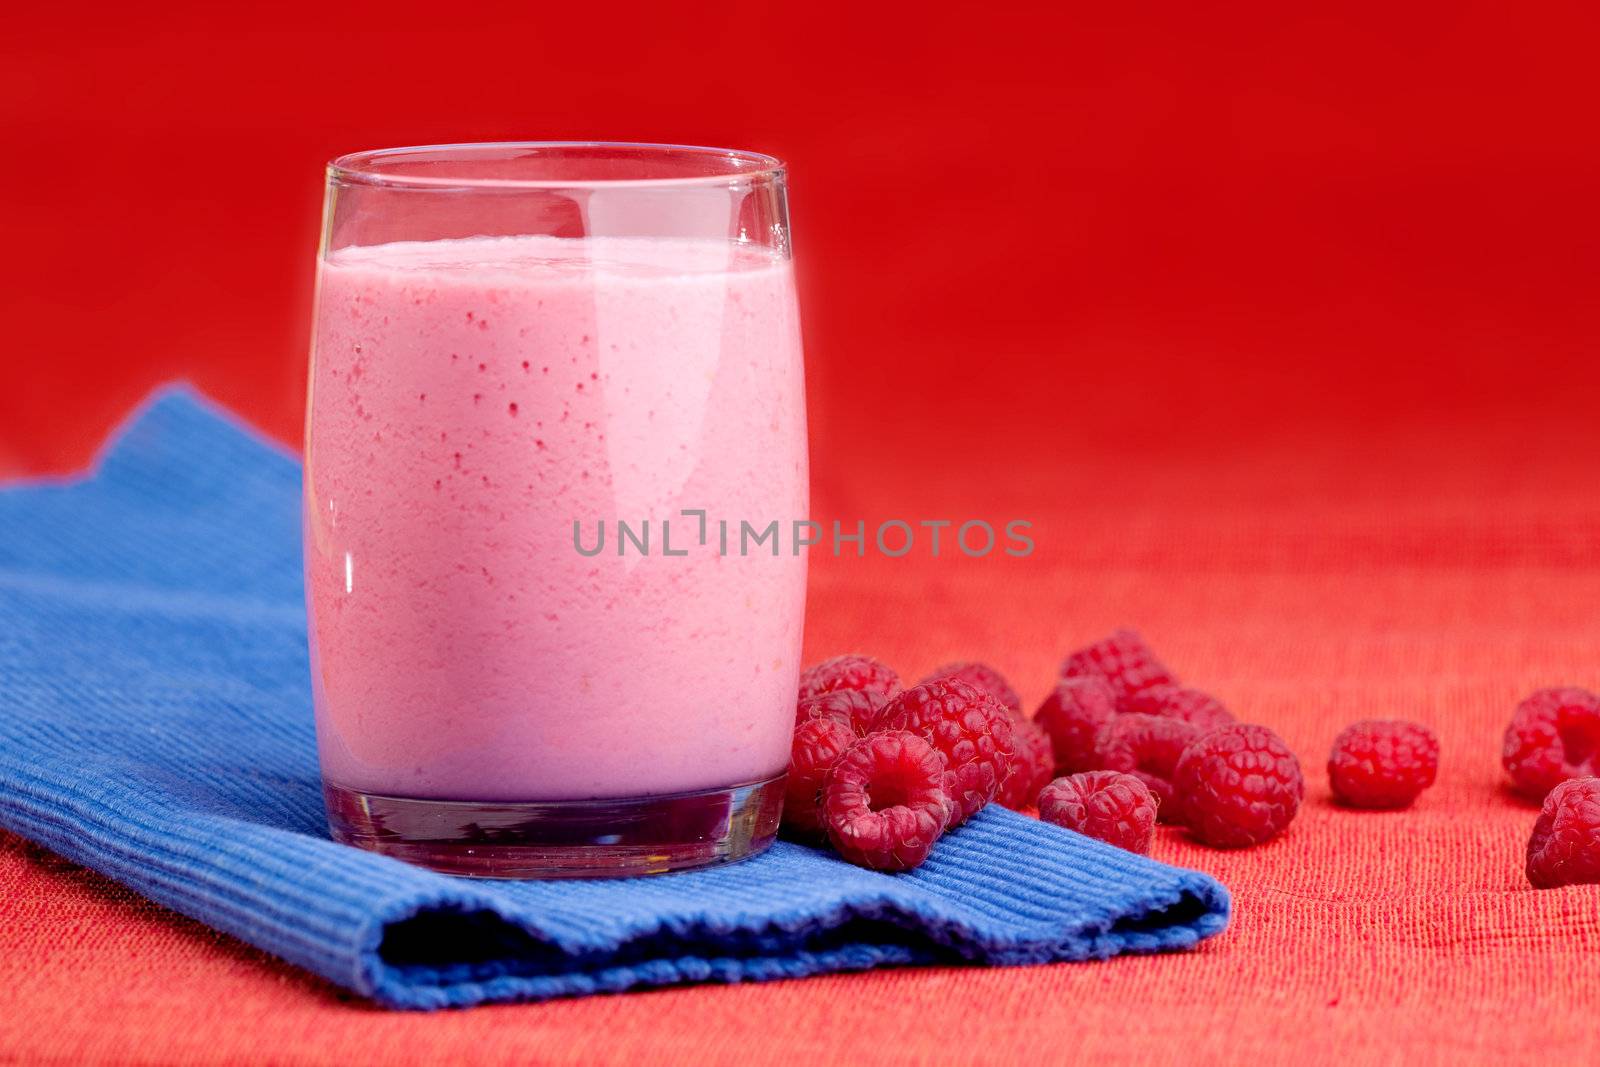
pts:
[155, 725]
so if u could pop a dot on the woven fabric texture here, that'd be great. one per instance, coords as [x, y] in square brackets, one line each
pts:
[1438, 575]
[158, 729]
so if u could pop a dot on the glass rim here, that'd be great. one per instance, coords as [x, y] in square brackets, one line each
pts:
[364, 167]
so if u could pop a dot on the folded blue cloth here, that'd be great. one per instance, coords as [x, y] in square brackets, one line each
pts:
[155, 725]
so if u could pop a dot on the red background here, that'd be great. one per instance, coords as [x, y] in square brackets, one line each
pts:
[1134, 226]
[1281, 324]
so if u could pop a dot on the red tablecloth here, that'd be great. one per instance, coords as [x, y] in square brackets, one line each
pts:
[1437, 577]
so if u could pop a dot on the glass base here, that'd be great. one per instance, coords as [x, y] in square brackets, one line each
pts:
[563, 838]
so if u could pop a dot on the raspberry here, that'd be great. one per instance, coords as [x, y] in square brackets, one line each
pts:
[818, 744]
[850, 672]
[853, 707]
[883, 801]
[1123, 660]
[983, 678]
[1238, 785]
[1033, 765]
[1382, 763]
[1147, 747]
[1116, 808]
[971, 729]
[1202, 710]
[1565, 846]
[1073, 716]
[1554, 735]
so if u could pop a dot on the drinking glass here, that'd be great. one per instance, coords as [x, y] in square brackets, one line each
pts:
[546, 380]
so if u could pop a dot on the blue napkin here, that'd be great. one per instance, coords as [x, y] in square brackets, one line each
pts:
[155, 725]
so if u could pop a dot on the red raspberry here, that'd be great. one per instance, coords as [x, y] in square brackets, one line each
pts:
[1073, 716]
[850, 672]
[1147, 747]
[1238, 785]
[1201, 710]
[983, 678]
[818, 744]
[1379, 763]
[854, 708]
[970, 728]
[1033, 766]
[883, 802]
[1123, 660]
[1565, 846]
[1118, 809]
[1554, 735]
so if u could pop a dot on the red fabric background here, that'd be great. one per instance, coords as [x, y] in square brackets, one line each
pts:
[1280, 325]
[1064, 223]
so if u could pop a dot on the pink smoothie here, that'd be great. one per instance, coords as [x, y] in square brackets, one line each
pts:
[469, 400]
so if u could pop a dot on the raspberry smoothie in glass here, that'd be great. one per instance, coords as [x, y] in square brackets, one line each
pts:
[593, 337]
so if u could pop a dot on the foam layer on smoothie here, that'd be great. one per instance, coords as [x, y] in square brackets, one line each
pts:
[470, 400]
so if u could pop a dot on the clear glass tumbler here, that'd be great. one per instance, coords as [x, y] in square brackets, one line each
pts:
[545, 380]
